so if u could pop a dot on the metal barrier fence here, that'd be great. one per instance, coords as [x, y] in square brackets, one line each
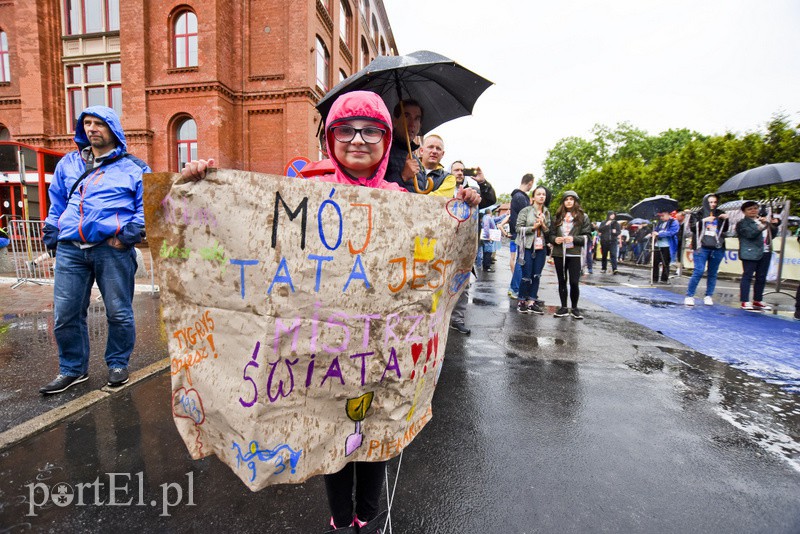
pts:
[32, 262]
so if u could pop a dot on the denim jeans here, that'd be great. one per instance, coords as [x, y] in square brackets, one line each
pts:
[76, 271]
[712, 256]
[531, 274]
[760, 268]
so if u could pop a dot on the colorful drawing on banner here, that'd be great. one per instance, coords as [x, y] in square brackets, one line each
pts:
[357, 411]
[187, 403]
[306, 327]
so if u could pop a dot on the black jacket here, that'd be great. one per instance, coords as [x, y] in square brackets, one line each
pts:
[519, 201]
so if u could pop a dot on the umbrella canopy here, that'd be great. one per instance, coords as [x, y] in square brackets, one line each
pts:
[764, 176]
[443, 88]
[624, 216]
[638, 221]
[649, 207]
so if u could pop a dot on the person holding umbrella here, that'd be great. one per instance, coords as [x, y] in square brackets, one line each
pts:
[755, 233]
[665, 246]
[403, 166]
[708, 243]
[569, 233]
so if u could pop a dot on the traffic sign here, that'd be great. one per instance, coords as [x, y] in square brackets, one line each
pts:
[295, 166]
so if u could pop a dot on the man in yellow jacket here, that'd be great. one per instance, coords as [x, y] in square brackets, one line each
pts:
[431, 153]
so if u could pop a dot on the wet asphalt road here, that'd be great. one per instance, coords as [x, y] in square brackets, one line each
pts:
[540, 425]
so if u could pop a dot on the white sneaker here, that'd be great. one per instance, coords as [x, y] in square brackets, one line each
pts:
[761, 306]
[708, 301]
[748, 306]
[689, 301]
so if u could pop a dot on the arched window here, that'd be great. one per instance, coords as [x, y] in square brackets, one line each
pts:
[375, 33]
[342, 75]
[186, 138]
[364, 53]
[5, 68]
[323, 65]
[185, 40]
[383, 47]
[5, 135]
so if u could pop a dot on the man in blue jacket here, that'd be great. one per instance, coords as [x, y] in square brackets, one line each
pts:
[96, 217]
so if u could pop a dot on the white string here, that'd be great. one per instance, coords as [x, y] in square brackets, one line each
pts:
[390, 500]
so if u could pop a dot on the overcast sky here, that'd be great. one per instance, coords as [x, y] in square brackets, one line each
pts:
[561, 66]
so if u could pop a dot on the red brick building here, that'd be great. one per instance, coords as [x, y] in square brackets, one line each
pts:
[236, 80]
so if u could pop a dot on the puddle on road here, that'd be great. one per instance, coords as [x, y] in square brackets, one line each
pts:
[646, 364]
[767, 416]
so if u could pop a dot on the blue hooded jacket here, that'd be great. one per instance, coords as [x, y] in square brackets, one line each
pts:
[107, 203]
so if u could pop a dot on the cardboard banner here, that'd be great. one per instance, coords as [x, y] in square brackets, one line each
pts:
[306, 321]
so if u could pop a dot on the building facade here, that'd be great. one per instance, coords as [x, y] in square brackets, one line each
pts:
[233, 80]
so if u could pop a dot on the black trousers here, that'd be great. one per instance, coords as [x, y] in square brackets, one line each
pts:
[661, 257]
[568, 269]
[367, 477]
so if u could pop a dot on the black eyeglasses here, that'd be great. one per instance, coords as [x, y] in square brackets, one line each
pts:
[370, 134]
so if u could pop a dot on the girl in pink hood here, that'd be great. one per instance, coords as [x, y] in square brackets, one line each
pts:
[358, 134]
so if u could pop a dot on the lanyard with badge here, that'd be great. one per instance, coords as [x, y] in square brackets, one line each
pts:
[538, 241]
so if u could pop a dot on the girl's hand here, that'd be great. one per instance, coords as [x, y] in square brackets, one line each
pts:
[196, 169]
[559, 240]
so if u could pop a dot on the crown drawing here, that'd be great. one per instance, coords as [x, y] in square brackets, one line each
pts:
[424, 249]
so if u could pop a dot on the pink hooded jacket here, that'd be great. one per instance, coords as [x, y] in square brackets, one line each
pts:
[360, 105]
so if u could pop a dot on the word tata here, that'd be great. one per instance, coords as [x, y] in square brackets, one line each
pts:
[280, 380]
[423, 265]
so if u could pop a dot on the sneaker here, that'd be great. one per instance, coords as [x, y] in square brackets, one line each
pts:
[748, 306]
[512, 294]
[603, 271]
[615, 271]
[535, 308]
[689, 301]
[562, 312]
[522, 307]
[459, 327]
[575, 313]
[62, 383]
[797, 315]
[708, 301]
[117, 376]
[757, 304]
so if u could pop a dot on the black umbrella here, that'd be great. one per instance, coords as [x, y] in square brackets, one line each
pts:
[624, 216]
[443, 88]
[649, 207]
[764, 176]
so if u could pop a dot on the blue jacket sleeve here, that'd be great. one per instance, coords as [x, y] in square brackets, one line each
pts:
[58, 203]
[671, 230]
[132, 232]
